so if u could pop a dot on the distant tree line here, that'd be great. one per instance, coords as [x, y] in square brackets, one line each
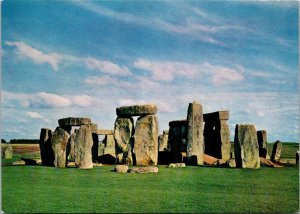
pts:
[23, 141]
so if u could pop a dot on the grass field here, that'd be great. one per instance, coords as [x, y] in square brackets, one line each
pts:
[39, 189]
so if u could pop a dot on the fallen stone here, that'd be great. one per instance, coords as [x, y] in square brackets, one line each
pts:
[6, 151]
[146, 140]
[121, 168]
[30, 162]
[47, 154]
[210, 160]
[97, 164]
[287, 161]
[19, 163]
[176, 165]
[123, 132]
[59, 143]
[218, 115]
[276, 152]
[83, 147]
[105, 132]
[136, 110]
[195, 144]
[147, 169]
[266, 162]
[74, 121]
[246, 147]
[262, 143]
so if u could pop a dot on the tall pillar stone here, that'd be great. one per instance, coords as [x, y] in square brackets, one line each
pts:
[177, 139]
[145, 148]
[195, 145]
[59, 141]
[95, 142]
[163, 142]
[47, 155]
[246, 147]
[217, 135]
[83, 147]
[72, 146]
[262, 143]
[123, 132]
[276, 152]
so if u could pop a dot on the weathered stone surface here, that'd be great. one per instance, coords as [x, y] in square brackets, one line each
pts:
[195, 144]
[147, 169]
[74, 121]
[105, 132]
[146, 140]
[121, 168]
[72, 147]
[166, 132]
[83, 147]
[177, 139]
[246, 147]
[59, 143]
[7, 151]
[123, 132]
[217, 138]
[231, 163]
[19, 163]
[176, 165]
[136, 110]
[94, 129]
[47, 154]
[109, 141]
[163, 142]
[262, 143]
[210, 160]
[214, 116]
[276, 152]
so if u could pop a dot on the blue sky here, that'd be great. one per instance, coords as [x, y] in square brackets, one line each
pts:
[85, 58]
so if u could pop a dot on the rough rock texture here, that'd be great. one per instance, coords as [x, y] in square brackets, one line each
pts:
[136, 110]
[121, 168]
[74, 121]
[210, 160]
[177, 139]
[262, 143]
[163, 142]
[166, 132]
[7, 151]
[217, 135]
[105, 132]
[123, 132]
[83, 147]
[276, 152]
[47, 154]
[109, 141]
[176, 165]
[145, 138]
[72, 147]
[195, 144]
[59, 141]
[94, 129]
[147, 169]
[246, 147]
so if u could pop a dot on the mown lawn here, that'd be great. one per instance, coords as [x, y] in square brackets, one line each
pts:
[191, 189]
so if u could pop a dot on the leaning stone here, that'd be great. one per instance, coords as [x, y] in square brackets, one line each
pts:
[121, 168]
[246, 147]
[276, 152]
[262, 143]
[109, 141]
[145, 140]
[7, 151]
[74, 121]
[59, 143]
[105, 132]
[195, 145]
[83, 147]
[123, 132]
[47, 154]
[147, 169]
[176, 165]
[136, 110]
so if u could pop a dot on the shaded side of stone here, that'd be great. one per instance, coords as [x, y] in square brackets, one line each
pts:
[136, 110]
[47, 155]
[177, 140]
[214, 116]
[95, 146]
[59, 141]
[262, 143]
[276, 152]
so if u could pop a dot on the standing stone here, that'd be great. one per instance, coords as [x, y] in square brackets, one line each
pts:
[59, 143]
[276, 152]
[163, 142]
[6, 151]
[262, 143]
[145, 140]
[123, 132]
[109, 141]
[72, 146]
[83, 147]
[47, 155]
[246, 147]
[95, 146]
[195, 145]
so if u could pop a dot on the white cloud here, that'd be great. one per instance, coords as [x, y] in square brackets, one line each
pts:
[52, 100]
[106, 81]
[106, 67]
[38, 57]
[83, 100]
[34, 115]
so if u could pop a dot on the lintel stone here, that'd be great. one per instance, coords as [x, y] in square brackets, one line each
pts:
[136, 110]
[218, 115]
[105, 132]
[74, 121]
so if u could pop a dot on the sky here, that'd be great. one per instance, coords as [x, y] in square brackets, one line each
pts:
[86, 58]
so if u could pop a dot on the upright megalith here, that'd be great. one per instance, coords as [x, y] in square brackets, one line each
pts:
[47, 155]
[123, 132]
[276, 152]
[6, 151]
[72, 146]
[217, 135]
[83, 147]
[177, 139]
[246, 147]
[59, 143]
[145, 148]
[94, 130]
[136, 110]
[163, 142]
[195, 145]
[262, 143]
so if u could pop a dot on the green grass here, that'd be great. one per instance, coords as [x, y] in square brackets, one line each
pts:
[191, 189]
